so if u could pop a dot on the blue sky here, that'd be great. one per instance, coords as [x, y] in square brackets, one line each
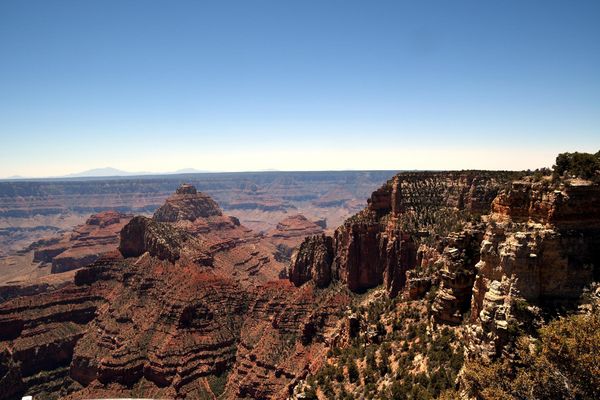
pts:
[250, 85]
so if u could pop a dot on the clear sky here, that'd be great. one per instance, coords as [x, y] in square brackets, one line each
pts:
[296, 85]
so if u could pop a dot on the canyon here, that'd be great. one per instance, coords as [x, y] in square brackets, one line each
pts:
[192, 303]
[37, 217]
[490, 257]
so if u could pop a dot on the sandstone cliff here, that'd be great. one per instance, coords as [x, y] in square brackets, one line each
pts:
[379, 244]
[540, 249]
[478, 277]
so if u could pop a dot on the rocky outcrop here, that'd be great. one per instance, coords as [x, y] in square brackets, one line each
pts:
[379, 244]
[456, 270]
[541, 248]
[187, 204]
[84, 245]
[161, 240]
[312, 260]
[569, 205]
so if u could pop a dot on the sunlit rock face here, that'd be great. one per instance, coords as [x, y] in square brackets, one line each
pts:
[312, 261]
[84, 244]
[378, 245]
[191, 297]
[541, 247]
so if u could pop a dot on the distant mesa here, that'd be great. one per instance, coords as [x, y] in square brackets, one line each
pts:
[290, 232]
[113, 172]
[189, 171]
[297, 225]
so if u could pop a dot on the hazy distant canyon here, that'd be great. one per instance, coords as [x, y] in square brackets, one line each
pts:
[33, 210]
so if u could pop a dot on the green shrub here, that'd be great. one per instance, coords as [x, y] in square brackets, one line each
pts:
[353, 374]
[584, 165]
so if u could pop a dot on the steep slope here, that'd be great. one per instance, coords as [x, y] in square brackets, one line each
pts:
[446, 278]
[84, 245]
[379, 244]
[190, 307]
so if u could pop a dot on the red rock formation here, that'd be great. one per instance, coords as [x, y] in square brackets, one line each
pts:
[154, 321]
[290, 232]
[541, 248]
[295, 226]
[569, 205]
[87, 242]
[312, 261]
[187, 204]
[457, 271]
[377, 246]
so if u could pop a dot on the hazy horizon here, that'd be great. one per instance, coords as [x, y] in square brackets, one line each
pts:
[315, 85]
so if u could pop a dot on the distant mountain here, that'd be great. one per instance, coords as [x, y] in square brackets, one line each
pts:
[108, 171]
[187, 171]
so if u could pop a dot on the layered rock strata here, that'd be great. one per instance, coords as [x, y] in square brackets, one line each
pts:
[84, 245]
[190, 308]
[456, 269]
[290, 232]
[379, 244]
[312, 261]
[541, 248]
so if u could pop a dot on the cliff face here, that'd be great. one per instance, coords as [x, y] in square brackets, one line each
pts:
[189, 307]
[456, 269]
[540, 244]
[378, 245]
[312, 261]
[481, 263]
[541, 248]
[84, 245]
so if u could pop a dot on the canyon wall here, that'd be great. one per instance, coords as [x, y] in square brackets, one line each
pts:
[488, 243]
[380, 243]
[540, 249]
[191, 306]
